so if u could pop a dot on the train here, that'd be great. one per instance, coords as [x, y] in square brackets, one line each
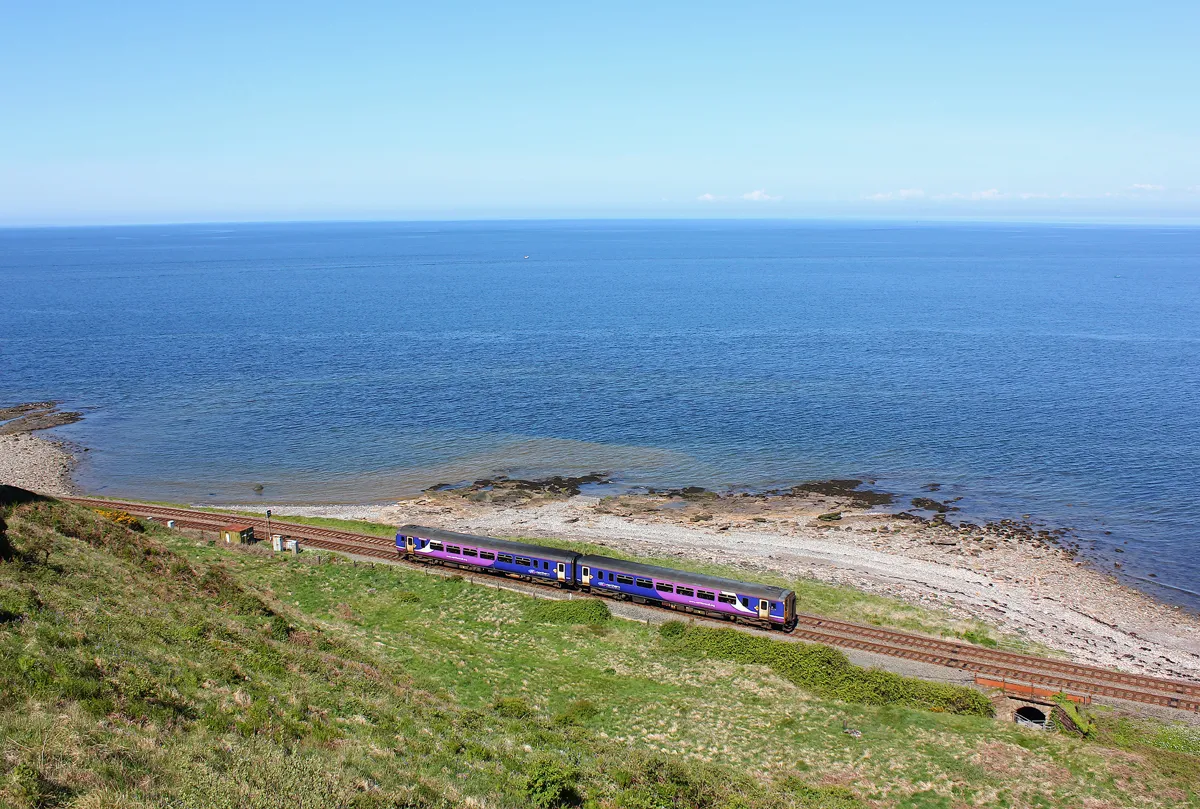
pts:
[760, 605]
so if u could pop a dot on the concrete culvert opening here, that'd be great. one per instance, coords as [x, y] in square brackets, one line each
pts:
[1029, 715]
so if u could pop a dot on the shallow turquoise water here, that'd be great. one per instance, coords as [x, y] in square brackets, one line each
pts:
[1044, 370]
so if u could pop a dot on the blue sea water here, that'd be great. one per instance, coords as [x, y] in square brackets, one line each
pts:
[1030, 369]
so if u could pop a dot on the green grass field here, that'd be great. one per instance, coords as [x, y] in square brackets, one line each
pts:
[153, 670]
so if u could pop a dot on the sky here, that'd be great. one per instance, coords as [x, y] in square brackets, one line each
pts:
[174, 112]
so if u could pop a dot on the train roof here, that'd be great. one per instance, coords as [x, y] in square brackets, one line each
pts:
[475, 540]
[766, 591]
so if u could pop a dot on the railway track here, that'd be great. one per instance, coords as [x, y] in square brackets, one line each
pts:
[1075, 678]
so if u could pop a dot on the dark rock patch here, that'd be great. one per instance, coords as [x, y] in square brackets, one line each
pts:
[929, 504]
[690, 493]
[845, 488]
[25, 418]
[509, 489]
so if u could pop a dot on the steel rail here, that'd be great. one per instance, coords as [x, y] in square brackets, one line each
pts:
[1068, 676]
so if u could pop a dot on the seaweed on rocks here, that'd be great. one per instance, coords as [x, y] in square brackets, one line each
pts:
[929, 504]
[504, 487]
[31, 416]
[848, 488]
[690, 493]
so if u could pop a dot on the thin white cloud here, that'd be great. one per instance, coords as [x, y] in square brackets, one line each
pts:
[903, 193]
[709, 198]
[974, 196]
[1147, 187]
[760, 196]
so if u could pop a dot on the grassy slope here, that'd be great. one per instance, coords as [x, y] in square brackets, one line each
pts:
[131, 675]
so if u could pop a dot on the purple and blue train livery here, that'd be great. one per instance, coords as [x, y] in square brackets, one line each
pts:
[696, 593]
[534, 562]
[689, 592]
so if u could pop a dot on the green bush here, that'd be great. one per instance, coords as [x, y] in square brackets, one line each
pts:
[280, 628]
[827, 672]
[1087, 728]
[575, 611]
[550, 784]
[980, 637]
[579, 711]
[27, 787]
[672, 629]
[217, 582]
[823, 797]
[512, 707]
[656, 781]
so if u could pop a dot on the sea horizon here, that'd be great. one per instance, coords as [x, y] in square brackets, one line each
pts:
[1167, 220]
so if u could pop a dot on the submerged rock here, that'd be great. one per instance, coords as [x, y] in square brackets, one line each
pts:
[848, 488]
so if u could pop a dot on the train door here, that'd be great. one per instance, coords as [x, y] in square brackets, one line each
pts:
[764, 608]
[562, 571]
[585, 576]
[410, 544]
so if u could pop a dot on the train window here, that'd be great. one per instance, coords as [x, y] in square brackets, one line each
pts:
[545, 565]
[486, 555]
[663, 587]
[435, 546]
[707, 596]
[624, 579]
[725, 598]
[522, 562]
[504, 557]
[470, 552]
[453, 549]
[745, 602]
[685, 591]
[610, 577]
[645, 583]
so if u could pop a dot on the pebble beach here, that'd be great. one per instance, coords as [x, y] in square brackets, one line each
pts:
[37, 464]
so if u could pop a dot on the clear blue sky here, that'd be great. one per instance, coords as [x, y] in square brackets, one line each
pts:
[151, 112]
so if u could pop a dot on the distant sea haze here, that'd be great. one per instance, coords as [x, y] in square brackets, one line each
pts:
[1029, 369]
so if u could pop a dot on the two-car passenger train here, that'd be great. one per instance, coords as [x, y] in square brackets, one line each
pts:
[744, 602]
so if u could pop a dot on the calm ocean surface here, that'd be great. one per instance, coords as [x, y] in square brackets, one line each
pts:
[1043, 370]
